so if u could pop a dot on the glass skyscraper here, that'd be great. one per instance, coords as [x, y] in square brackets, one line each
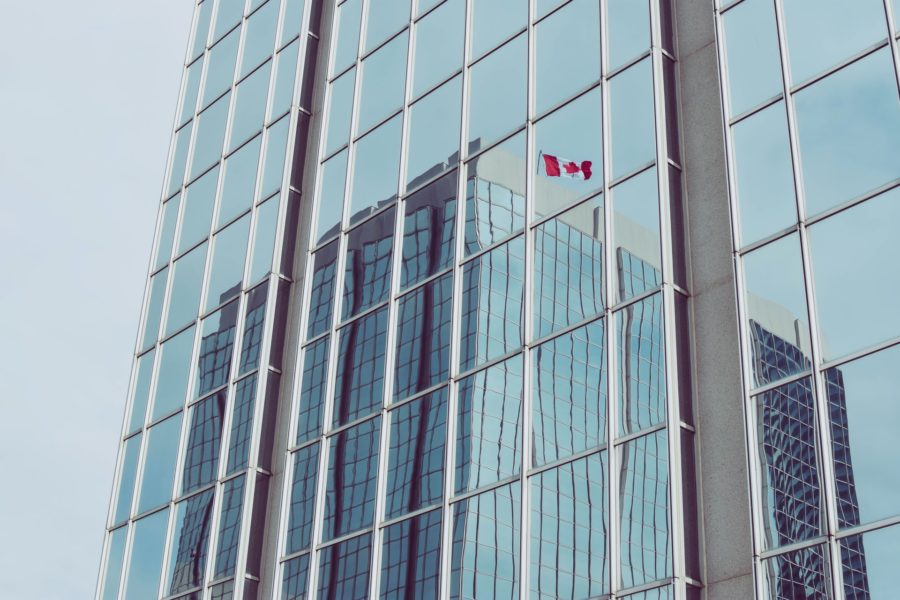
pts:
[521, 299]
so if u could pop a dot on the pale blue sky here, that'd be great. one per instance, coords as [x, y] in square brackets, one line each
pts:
[87, 97]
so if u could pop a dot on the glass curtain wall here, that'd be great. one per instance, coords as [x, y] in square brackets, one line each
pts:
[813, 135]
[492, 395]
[191, 486]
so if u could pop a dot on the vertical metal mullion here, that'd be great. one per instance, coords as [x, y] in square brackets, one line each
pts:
[892, 38]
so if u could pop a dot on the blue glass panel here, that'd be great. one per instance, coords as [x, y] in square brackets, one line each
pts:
[636, 235]
[199, 200]
[190, 543]
[572, 31]
[754, 62]
[141, 391]
[803, 575]
[434, 133]
[187, 283]
[303, 499]
[240, 181]
[229, 526]
[642, 365]
[115, 556]
[627, 30]
[367, 273]
[241, 425]
[259, 42]
[631, 118]
[127, 478]
[201, 461]
[439, 45]
[254, 318]
[166, 233]
[154, 307]
[146, 557]
[312, 391]
[429, 230]
[359, 380]
[159, 464]
[497, 94]
[296, 576]
[869, 564]
[216, 349]
[344, 569]
[352, 472]
[322, 295]
[174, 368]
[411, 558]
[227, 271]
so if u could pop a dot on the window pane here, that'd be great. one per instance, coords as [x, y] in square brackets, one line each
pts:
[115, 556]
[344, 569]
[572, 31]
[383, 77]
[322, 294]
[494, 21]
[201, 455]
[229, 526]
[434, 133]
[439, 45]
[127, 478]
[201, 29]
[411, 558]
[296, 575]
[303, 499]
[778, 326]
[495, 194]
[570, 135]
[291, 20]
[376, 169]
[174, 368]
[240, 181]
[803, 573]
[190, 543]
[423, 337]
[210, 136]
[276, 148]
[146, 557]
[791, 497]
[415, 477]
[340, 109]
[251, 346]
[159, 464]
[627, 30]
[312, 391]
[754, 61]
[285, 75]
[179, 158]
[642, 368]
[488, 436]
[347, 35]
[227, 271]
[645, 544]
[485, 560]
[636, 235]
[199, 199]
[166, 232]
[568, 531]
[429, 230]
[141, 395]
[331, 197]
[568, 268]
[385, 17]
[869, 564]
[367, 273]
[849, 132]
[250, 105]
[259, 43]
[632, 122]
[352, 471]
[568, 395]
[493, 292]
[765, 179]
[227, 16]
[497, 98]
[154, 307]
[220, 67]
[264, 240]
[241, 425]
[187, 283]
[847, 27]
[359, 380]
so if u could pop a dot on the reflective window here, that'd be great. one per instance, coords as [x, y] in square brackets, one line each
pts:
[636, 235]
[660, 593]
[572, 31]
[868, 563]
[227, 271]
[856, 283]
[415, 477]
[633, 138]
[627, 30]
[568, 531]
[645, 539]
[259, 41]
[322, 296]
[187, 283]
[303, 499]
[174, 369]
[240, 181]
[340, 109]
[376, 169]
[115, 556]
[344, 569]
[225, 591]
[154, 307]
[352, 471]
[488, 436]
[159, 464]
[642, 369]
[438, 46]
[331, 197]
[296, 575]
[848, 28]
[383, 77]
[127, 477]
[359, 380]
[141, 395]
[788, 454]
[166, 233]
[227, 16]
[497, 90]
[775, 303]
[367, 270]
[312, 391]
[493, 290]
[347, 35]
[251, 346]
[250, 104]
[494, 21]
[495, 194]
[429, 230]
[179, 158]
[276, 148]
[849, 132]
[210, 136]
[199, 199]
[865, 416]
[264, 240]
[803, 573]
[434, 133]
[286, 71]
[485, 559]
[754, 61]
[146, 557]
[569, 149]
[763, 174]
[568, 395]
[241, 425]
[204, 441]
[423, 337]
[291, 20]
[229, 526]
[220, 67]
[411, 558]
[385, 17]
[201, 28]
[568, 268]
[190, 543]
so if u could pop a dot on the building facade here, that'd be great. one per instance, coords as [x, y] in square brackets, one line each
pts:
[521, 299]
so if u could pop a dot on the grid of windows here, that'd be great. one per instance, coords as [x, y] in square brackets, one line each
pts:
[810, 91]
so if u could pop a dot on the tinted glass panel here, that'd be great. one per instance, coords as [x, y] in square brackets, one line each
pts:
[359, 380]
[220, 67]
[127, 478]
[631, 118]
[322, 295]
[438, 46]
[376, 170]
[636, 235]
[179, 158]
[754, 62]
[159, 464]
[642, 368]
[199, 199]
[344, 569]
[497, 98]
[434, 133]
[187, 282]
[174, 368]
[286, 71]
[331, 197]
[869, 563]
[241, 425]
[227, 271]
[429, 230]
[141, 390]
[340, 109]
[240, 181]
[146, 557]
[154, 307]
[411, 558]
[166, 232]
[115, 556]
[210, 136]
[573, 31]
[347, 35]
[201, 455]
[627, 30]
[303, 499]
[276, 147]
[367, 271]
[312, 391]
[423, 337]
[227, 16]
[190, 543]
[201, 28]
[229, 526]
[296, 575]
[251, 346]
[493, 21]
[352, 472]
[385, 17]
[801, 574]
[383, 77]
[250, 105]
[264, 240]
[259, 41]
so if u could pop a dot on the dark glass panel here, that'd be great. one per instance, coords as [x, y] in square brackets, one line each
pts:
[216, 350]
[312, 391]
[800, 575]
[241, 425]
[411, 558]
[190, 543]
[344, 569]
[429, 230]
[869, 564]
[367, 273]
[303, 499]
[359, 380]
[204, 443]
[254, 318]
[352, 473]
[642, 365]
[296, 576]
[229, 526]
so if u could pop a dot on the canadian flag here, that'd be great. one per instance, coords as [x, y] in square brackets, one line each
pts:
[555, 166]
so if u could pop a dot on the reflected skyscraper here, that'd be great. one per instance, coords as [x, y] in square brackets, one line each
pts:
[387, 352]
